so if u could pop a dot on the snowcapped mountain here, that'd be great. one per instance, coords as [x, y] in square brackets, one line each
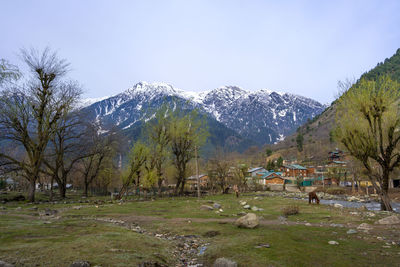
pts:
[262, 116]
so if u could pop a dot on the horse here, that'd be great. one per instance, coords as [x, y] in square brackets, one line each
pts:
[311, 197]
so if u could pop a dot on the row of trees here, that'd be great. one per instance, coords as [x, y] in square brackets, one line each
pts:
[41, 131]
[172, 139]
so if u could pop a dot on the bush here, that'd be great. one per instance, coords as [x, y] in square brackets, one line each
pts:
[336, 191]
[290, 210]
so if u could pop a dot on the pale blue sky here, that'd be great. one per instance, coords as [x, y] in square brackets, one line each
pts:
[301, 47]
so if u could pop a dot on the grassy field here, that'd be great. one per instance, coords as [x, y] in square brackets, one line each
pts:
[102, 235]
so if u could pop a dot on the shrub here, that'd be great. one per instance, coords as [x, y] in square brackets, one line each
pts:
[336, 191]
[290, 210]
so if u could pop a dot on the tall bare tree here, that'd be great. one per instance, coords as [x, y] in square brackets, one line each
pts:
[65, 149]
[30, 113]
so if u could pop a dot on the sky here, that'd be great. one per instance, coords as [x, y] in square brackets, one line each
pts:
[300, 47]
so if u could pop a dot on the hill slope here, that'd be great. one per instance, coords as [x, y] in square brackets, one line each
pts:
[316, 132]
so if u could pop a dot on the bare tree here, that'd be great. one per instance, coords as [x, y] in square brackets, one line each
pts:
[65, 149]
[99, 148]
[29, 115]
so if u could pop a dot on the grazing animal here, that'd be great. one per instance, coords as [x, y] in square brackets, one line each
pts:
[311, 197]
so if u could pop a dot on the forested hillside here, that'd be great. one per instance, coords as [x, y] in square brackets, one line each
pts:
[316, 133]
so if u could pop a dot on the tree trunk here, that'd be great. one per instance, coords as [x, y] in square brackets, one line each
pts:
[31, 195]
[85, 192]
[182, 187]
[51, 188]
[62, 189]
[385, 200]
[159, 186]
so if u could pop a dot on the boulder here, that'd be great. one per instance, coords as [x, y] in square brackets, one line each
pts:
[364, 226]
[206, 207]
[351, 231]
[217, 206]
[224, 262]
[389, 220]
[80, 264]
[250, 220]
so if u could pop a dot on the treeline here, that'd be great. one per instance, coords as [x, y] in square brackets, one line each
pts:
[44, 136]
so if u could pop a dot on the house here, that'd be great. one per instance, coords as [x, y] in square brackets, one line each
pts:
[336, 155]
[295, 170]
[272, 178]
[253, 172]
[192, 181]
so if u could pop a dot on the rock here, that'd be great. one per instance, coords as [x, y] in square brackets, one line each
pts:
[224, 262]
[80, 264]
[254, 208]
[389, 220]
[2, 208]
[250, 220]
[211, 233]
[241, 213]
[365, 226]
[151, 264]
[337, 205]
[263, 246]
[333, 242]
[370, 214]
[49, 212]
[308, 224]
[363, 208]
[206, 207]
[6, 264]
[351, 231]
[242, 203]
[246, 207]
[33, 208]
[221, 210]
[18, 208]
[217, 206]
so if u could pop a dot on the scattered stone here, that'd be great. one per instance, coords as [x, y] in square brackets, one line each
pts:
[2, 208]
[337, 205]
[333, 242]
[211, 233]
[308, 224]
[77, 207]
[266, 245]
[206, 207]
[389, 220]
[217, 206]
[370, 214]
[33, 208]
[221, 210]
[254, 208]
[246, 207]
[250, 220]
[336, 225]
[6, 264]
[224, 262]
[363, 208]
[354, 213]
[242, 203]
[242, 213]
[49, 212]
[151, 264]
[80, 264]
[18, 208]
[351, 231]
[365, 227]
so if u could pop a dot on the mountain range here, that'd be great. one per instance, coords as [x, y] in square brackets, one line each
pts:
[237, 118]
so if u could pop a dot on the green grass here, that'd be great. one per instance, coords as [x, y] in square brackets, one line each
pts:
[26, 239]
